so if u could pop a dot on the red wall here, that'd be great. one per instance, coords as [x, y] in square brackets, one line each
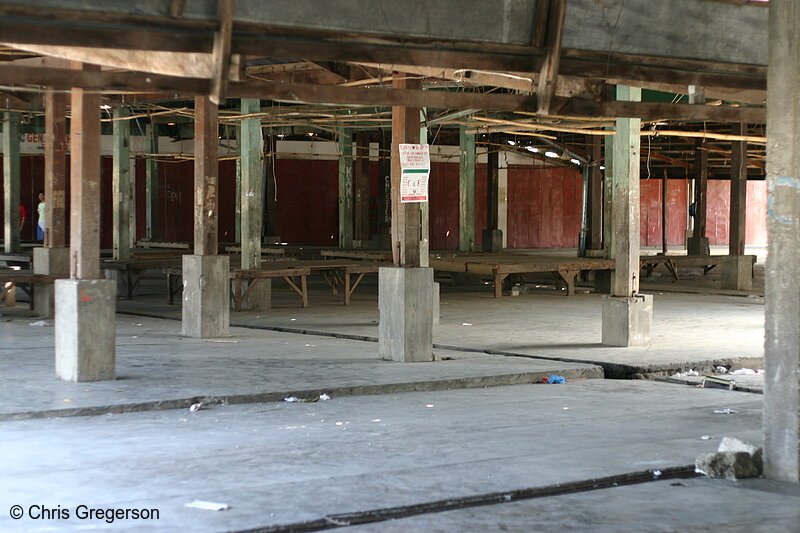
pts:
[544, 205]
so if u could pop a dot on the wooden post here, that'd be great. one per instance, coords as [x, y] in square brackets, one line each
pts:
[206, 169]
[384, 188]
[11, 181]
[701, 188]
[250, 141]
[345, 188]
[664, 213]
[85, 182]
[548, 76]
[466, 191]
[361, 185]
[151, 181]
[596, 196]
[738, 204]
[406, 218]
[121, 188]
[492, 237]
[270, 190]
[625, 199]
[424, 207]
[55, 169]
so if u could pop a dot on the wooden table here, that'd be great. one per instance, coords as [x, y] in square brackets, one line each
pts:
[25, 280]
[566, 269]
[674, 262]
[134, 269]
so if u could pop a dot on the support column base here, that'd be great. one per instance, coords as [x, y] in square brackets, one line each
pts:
[259, 296]
[737, 272]
[405, 332]
[627, 320]
[85, 329]
[206, 296]
[492, 240]
[603, 281]
[697, 246]
[51, 262]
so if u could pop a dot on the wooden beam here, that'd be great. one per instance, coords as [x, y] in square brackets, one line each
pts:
[298, 92]
[596, 195]
[11, 181]
[700, 188]
[252, 173]
[206, 170]
[406, 218]
[122, 191]
[466, 191]
[55, 169]
[270, 187]
[221, 52]
[345, 188]
[151, 180]
[738, 203]
[361, 188]
[85, 182]
[548, 76]
[664, 213]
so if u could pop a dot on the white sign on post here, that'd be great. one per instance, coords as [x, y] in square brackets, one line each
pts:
[415, 168]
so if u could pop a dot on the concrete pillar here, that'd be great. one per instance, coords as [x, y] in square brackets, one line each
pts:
[85, 305]
[627, 315]
[466, 191]
[251, 201]
[53, 262]
[782, 346]
[405, 332]
[11, 182]
[121, 183]
[151, 181]
[345, 188]
[206, 285]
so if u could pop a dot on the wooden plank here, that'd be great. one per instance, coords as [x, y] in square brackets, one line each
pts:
[466, 191]
[664, 213]
[738, 203]
[700, 188]
[406, 218]
[85, 182]
[206, 170]
[252, 172]
[151, 180]
[548, 76]
[11, 181]
[122, 192]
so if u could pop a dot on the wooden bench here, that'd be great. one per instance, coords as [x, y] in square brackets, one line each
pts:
[565, 269]
[133, 270]
[359, 270]
[673, 262]
[25, 280]
[238, 291]
[370, 255]
[24, 260]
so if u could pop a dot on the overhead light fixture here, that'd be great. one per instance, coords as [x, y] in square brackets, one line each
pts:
[170, 123]
[551, 154]
[105, 107]
[575, 161]
[310, 133]
[602, 167]
[532, 149]
[512, 143]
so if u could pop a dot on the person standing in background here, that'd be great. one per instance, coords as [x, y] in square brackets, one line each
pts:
[40, 225]
[23, 216]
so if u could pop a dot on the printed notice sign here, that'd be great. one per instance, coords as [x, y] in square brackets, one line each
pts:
[415, 165]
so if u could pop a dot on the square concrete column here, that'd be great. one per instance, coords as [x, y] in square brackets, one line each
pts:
[259, 295]
[626, 321]
[737, 272]
[206, 293]
[51, 262]
[85, 329]
[405, 301]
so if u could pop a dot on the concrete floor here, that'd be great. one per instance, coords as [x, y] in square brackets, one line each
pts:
[457, 430]
[280, 463]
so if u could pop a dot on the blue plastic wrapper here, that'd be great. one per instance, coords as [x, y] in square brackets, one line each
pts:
[556, 379]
